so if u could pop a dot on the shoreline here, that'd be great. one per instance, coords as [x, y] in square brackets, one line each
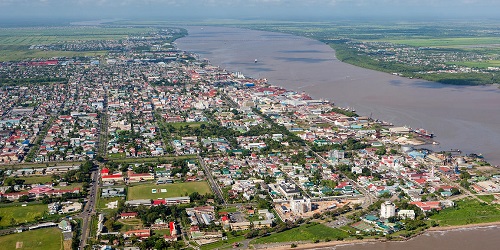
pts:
[321, 245]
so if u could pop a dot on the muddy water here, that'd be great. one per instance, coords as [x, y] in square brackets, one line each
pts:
[467, 118]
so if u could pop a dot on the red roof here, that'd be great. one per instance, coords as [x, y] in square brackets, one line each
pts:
[105, 171]
[159, 202]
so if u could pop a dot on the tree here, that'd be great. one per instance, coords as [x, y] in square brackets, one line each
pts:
[455, 191]
[24, 198]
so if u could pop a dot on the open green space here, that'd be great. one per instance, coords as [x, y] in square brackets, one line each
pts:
[29, 36]
[145, 191]
[468, 212]
[113, 156]
[41, 239]
[38, 165]
[13, 215]
[308, 232]
[229, 210]
[15, 42]
[37, 179]
[487, 198]
[17, 55]
[178, 125]
[101, 202]
[445, 42]
[224, 244]
[153, 159]
[71, 186]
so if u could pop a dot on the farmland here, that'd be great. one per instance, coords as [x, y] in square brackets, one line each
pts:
[172, 190]
[15, 42]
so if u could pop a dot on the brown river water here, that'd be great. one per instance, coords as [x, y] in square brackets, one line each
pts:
[467, 118]
[461, 117]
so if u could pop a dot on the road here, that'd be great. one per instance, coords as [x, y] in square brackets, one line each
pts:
[213, 183]
[369, 197]
[89, 208]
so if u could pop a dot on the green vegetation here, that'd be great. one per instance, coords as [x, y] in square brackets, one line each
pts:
[144, 191]
[487, 198]
[224, 244]
[13, 215]
[308, 232]
[41, 239]
[449, 42]
[37, 179]
[467, 211]
[15, 42]
[179, 125]
[153, 159]
[101, 202]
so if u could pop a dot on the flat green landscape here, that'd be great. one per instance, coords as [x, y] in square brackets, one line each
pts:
[173, 190]
[15, 42]
[41, 239]
[21, 214]
[153, 159]
[468, 212]
[178, 125]
[37, 179]
[456, 42]
[306, 232]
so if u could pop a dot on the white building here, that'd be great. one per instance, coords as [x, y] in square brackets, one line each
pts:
[300, 206]
[406, 214]
[387, 209]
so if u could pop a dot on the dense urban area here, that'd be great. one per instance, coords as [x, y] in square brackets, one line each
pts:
[149, 147]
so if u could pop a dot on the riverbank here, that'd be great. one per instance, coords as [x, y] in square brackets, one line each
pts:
[463, 117]
[330, 244]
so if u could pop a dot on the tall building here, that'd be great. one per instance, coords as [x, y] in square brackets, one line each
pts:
[300, 206]
[387, 209]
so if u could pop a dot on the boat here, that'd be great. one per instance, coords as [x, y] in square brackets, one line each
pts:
[424, 133]
[255, 60]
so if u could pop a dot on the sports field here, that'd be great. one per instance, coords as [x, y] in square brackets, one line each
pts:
[21, 214]
[41, 239]
[153, 191]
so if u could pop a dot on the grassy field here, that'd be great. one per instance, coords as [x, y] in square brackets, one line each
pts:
[49, 238]
[29, 36]
[223, 244]
[15, 42]
[457, 42]
[37, 179]
[38, 165]
[153, 159]
[113, 156]
[173, 190]
[17, 55]
[177, 125]
[310, 232]
[21, 214]
[487, 198]
[468, 212]
[101, 202]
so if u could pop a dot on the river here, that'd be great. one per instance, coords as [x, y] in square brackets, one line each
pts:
[461, 117]
[461, 239]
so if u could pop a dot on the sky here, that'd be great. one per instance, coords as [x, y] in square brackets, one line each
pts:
[247, 9]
